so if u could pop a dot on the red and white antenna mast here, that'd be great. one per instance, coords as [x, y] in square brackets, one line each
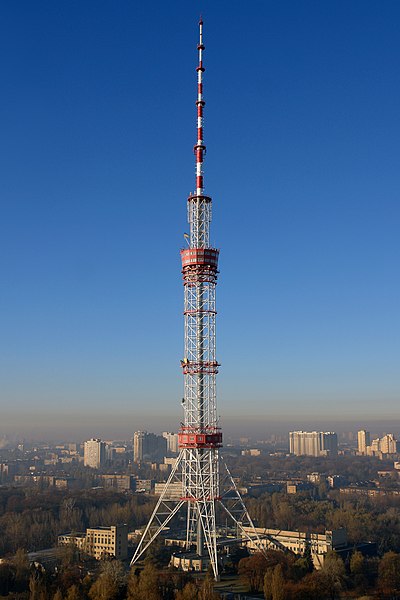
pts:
[203, 478]
[200, 148]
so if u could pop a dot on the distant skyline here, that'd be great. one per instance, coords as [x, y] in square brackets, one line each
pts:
[302, 129]
[110, 428]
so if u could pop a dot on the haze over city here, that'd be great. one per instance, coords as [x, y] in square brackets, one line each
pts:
[302, 134]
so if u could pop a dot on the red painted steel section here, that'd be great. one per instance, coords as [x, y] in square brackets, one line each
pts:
[187, 439]
[200, 256]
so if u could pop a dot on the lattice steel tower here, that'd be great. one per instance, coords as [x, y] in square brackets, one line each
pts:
[207, 486]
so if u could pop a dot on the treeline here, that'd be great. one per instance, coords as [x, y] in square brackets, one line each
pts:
[110, 581]
[276, 576]
[33, 519]
[365, 519]
[286, 577]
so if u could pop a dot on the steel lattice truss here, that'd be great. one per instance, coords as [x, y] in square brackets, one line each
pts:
[208, 490]
[208, 474]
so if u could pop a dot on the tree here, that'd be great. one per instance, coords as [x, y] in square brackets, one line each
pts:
[189, 592]
[73, 593]
[206, 591]
[7, 575]
[252, 571]
[268, 584]
[69, 555]
[358, 570]
[58, 595]
[102, 589]
[307, 557]
[144, 586]
[389, 572]
[277, 584]
[149, 583]
[37, 588]
[21, 565]
[110, 581]
[133, 590]
[333, 575]
[158, 553]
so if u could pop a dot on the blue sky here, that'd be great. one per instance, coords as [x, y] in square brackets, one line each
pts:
[302, 129]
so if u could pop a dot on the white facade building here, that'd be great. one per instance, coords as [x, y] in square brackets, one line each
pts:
[312, 443]
[172, 441]
[364, 440]
[297, 542]
[100, 542]
[94, 453]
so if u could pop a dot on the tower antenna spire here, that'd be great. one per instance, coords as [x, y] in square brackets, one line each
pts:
[200, 148]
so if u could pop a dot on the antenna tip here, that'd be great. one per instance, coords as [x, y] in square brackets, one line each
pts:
[201, 20]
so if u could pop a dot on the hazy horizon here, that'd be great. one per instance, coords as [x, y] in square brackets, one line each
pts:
[117, 427]
[302, 130]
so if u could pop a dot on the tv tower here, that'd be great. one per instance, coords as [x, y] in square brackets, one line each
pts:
[208, 490]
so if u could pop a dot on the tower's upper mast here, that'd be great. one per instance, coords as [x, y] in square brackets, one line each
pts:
[200, 148]
[199, 205]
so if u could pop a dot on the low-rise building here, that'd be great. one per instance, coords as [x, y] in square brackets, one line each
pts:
[122, 483]
[100, 542]
[294, 487]
[371, 492]
[174, 492]
[189, 561]
[314, 477]
[251, 452]
[145, 485]
[298, 541]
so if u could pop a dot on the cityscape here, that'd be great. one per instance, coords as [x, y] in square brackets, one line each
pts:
[270, 468]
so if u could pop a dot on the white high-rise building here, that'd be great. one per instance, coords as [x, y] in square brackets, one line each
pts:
[172, 441]
[312, 443]
[94, 453]
[388, 444]
[384, 445]
[364, 440]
